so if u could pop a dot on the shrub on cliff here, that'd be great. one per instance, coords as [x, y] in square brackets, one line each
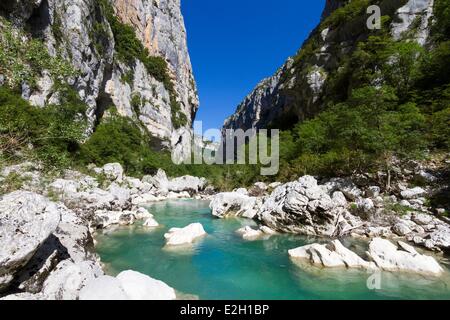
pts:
[50, 134]
[23, 59]
[116, 139]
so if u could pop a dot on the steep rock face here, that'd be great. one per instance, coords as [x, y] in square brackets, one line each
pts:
[256, 108]
[160, 27]
[79, 31]
[332, 5]
[298, 90]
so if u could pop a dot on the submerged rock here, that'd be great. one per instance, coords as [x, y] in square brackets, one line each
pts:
[186, 235]
[151, 223]
[248, 233]
[382, 254]
[332, 255]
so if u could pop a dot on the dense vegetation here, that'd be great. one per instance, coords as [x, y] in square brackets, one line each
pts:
[387, 100]
[50, 134]
[23, 61]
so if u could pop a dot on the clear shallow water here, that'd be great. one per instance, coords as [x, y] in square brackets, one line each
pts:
[223, 266]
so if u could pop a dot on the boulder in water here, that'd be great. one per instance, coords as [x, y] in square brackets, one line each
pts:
[186, 235]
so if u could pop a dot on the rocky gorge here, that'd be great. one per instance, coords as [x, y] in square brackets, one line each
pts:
[48, 230]
[301, 87]
[50, 224]
[52, 217]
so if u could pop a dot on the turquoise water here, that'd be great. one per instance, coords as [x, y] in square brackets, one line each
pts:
[223, 266]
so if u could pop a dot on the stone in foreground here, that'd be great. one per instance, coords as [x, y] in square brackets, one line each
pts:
[138, 286]
[27, 220]
[103, 288]
[128, 285]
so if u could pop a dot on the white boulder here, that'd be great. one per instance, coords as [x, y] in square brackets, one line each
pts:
[413, 193]
[422, 219]
[103, 288]
[186, 235]
[138, 286]
[339, 199]
[64, 187]
[159, 181]
[248, 233]
[106, 218]
[365, 206]
[233, 203]
[373, 192]
[382, 254]
[187, 183]
[68, 278]
[388, 257]
[332, 255]
[151, 223]
[401, 229]
[27, 220]
[113, 171]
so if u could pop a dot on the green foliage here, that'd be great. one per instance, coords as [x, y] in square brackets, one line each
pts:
[435, 67]
[350, 11]
[179, 119]
[98, 34]
[13, 182]
[57, 28]
[23, 61]
[440, 129]
[136, 103]
[403, 67]
[116, 139]
[128, 77]
[441, 26]
[50, 134]
[396, 208]
[357, 136]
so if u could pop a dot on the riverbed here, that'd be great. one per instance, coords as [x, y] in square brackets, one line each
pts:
[224, 266]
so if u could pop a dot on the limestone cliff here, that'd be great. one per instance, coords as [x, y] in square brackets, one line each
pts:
[79, 31]
[299, 89]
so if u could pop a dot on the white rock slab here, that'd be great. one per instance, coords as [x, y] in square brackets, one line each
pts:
[186, 235]
[138, 286]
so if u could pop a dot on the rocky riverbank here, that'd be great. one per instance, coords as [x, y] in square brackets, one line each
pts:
[349, 207]
[48, 224]
[47, 229]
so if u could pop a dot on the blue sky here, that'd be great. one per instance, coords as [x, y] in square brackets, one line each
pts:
[234, 44]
